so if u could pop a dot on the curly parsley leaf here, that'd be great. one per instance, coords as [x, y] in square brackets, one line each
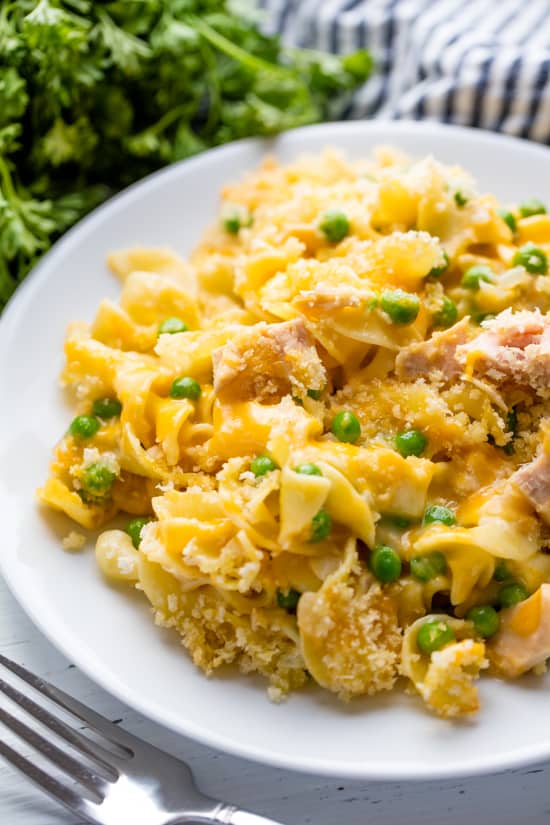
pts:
[94, 94]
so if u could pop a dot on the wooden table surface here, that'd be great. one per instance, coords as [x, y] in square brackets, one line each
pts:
[512, 798]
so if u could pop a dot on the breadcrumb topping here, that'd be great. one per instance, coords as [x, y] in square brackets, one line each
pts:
[358, 361]
[73, 541]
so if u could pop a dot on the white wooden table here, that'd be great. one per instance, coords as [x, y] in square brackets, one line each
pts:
[516, 797]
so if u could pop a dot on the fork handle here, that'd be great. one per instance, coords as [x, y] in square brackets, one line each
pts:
[239, 817]
[224, 814]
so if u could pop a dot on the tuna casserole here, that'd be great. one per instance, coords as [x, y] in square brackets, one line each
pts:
[329, 431]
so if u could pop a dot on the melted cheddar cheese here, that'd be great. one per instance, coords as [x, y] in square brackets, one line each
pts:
[279, 328]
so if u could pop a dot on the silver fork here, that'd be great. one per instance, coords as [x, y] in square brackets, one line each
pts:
[122, 780]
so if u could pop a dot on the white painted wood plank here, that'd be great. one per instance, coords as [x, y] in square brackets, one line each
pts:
[507, 799]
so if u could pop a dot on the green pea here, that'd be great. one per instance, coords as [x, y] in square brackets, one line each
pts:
[315, 394]
[334, 225]
[433, 635]
[346, 427]
[501, 572]
[485, 619]
[235, 220]
[447, 315]
[232, 224]
[288, 599]
[263, 464]
[429, 566]
[508, 219]
[321, 525]
[410, 442]
[96, 480]
[185, 387]
[460, 199]
[308, 469]
[511, 427]
[512, 593]
[437, 514]
[134, 528]
[532, 258]
[530, 207]
[84, 426]
[398, 521]
[385, 563]
[172, 325]
[478, 317]
[106, 407]
[402, 307]
[437, 271]
[474, 275]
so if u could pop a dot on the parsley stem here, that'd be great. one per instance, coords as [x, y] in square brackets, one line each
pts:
[232, 50]
[167, 119]
[7, 183]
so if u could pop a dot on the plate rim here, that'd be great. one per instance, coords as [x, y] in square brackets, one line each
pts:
[402, 771]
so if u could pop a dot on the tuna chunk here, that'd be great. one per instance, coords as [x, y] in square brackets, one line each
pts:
[523, 641]
[533, 480]
[266, 362]
[434, 358]
[514, 349]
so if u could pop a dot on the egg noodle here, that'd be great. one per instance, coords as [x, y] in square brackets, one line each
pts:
[329, 429]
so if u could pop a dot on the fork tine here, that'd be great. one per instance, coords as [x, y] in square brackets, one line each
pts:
[98, 723]
[102, 758]
[86, 777]
[57, 790]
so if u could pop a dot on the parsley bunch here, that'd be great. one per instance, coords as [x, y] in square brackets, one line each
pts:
[95, 94]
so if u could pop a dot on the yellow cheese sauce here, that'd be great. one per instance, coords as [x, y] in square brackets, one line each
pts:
[328, 429]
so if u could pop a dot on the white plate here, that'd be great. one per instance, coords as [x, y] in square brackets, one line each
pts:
[110, 634]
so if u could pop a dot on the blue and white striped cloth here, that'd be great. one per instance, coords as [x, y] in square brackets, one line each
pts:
[482, 63]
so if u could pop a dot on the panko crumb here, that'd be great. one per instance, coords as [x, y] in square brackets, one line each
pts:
[294, 328]
[125, 565]
[448, 687]
[275, 695]
[165, 487]
[350, 638]
[215, 636]
[91, 455]
[73, 541]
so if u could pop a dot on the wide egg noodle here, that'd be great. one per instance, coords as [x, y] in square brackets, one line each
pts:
[252, 556]
[445, 678]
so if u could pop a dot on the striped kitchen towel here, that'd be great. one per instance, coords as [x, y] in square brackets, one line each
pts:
[479, 63]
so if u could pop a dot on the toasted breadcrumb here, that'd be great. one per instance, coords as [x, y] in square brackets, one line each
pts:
[448, 687]
[73, 541]
[351, 639]
[266, 362]
[275, 695]
[286, 328]
[215, 635]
